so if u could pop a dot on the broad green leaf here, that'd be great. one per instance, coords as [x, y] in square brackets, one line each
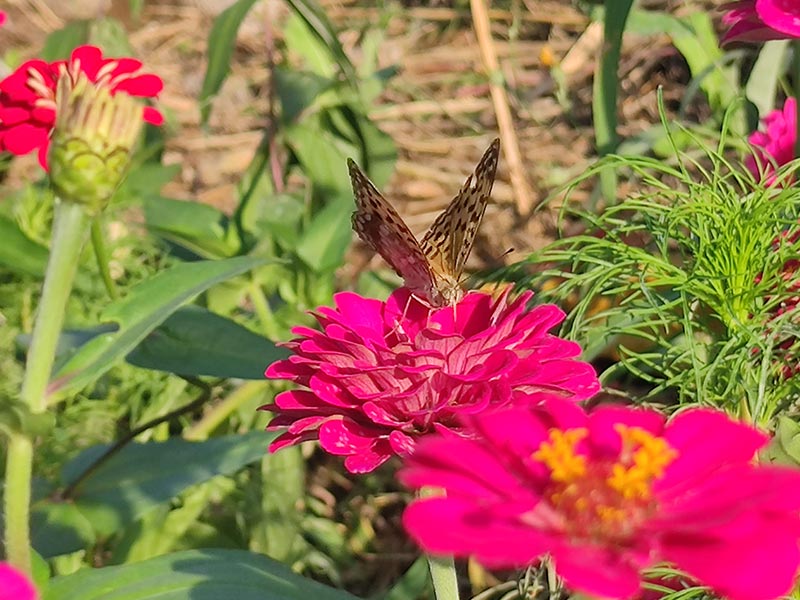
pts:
[110, 35]
[325, 241]
[200, 228]
[18, 252]
[59, 528]
[142, 476]
[60, 44]
[320, 26]
[784, 448]
[322, 155]
[195, 341]
[221, 42]
[415, 583]
[762, 84]
[297, 91]
[144, 308]
[193, 575]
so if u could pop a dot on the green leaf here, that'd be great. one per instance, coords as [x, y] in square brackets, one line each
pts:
[200, 228]
[18, 252]
[144, 308]
[221, 42]
[320, 26]
[59, 528]
[784, 447]
[195, 341]
[60, 44]
[297, 91]
[142, 476]
[193, 575]
[322, 155]
[325, 241]
[762, 84]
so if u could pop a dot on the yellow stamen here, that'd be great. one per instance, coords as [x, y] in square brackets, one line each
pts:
[559, 454]
[642, 460]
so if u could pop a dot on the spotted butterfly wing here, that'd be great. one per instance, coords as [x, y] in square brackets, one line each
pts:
[379, 225]
[449, 241]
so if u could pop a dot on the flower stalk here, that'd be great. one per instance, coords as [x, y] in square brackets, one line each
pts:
[70, 231]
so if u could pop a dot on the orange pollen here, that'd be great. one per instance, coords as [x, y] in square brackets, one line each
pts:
[599, 496]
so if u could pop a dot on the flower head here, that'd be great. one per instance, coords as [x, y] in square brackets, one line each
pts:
[761, 20]
[609, 493]
[774, 147]
[3, 17]
[28, 95]
[14, 585]
[380, 375]
[92, 141]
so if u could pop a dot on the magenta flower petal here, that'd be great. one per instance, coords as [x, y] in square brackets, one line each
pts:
[781, 15]
[14, 585]
[608, 494]
[598, 572]
[761, 20]
[399, 370]
[774, 147]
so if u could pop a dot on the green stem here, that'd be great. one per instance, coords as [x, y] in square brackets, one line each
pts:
[217, 414]
[606, 85]
[443, 577]
[443, 568]
[101, 254]
[70, 228]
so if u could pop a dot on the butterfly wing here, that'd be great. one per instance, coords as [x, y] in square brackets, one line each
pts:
[379, 225]
[449, 241]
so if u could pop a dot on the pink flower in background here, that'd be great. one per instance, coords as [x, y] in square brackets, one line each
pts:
[14, 585]
[380, 375]
[27, 96]
[774, 147]
[608, 494]
[761, 20]
[3, 17]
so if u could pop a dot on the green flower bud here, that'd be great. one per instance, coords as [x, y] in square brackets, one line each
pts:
[92, 141]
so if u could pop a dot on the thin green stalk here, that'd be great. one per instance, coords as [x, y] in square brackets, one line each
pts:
[442, 568]
[443, 577]
[604, 93]
[102, 257]
[796, 83]
[216, 415]
[70, 229]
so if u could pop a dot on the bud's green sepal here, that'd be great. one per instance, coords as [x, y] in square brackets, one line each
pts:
[92, 141]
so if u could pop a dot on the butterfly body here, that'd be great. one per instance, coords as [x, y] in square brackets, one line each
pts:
[432, 267]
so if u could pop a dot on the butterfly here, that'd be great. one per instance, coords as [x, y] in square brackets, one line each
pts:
[432, 267]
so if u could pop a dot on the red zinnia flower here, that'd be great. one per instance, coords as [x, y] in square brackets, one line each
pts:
[610, 493]
[761, 20]
[382, 374]
[774, 147]
[27, 96]
[14, 585]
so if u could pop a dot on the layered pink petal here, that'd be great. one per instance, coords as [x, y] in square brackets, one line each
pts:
[403, 370]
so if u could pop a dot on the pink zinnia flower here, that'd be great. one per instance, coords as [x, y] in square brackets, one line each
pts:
[610, 493]
[14, 585]
[27, 96]
[761, 20]
[380, 375]
[3, 17]
[774, 147]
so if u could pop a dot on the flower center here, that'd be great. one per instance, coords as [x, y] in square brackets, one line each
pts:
[602, 498]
